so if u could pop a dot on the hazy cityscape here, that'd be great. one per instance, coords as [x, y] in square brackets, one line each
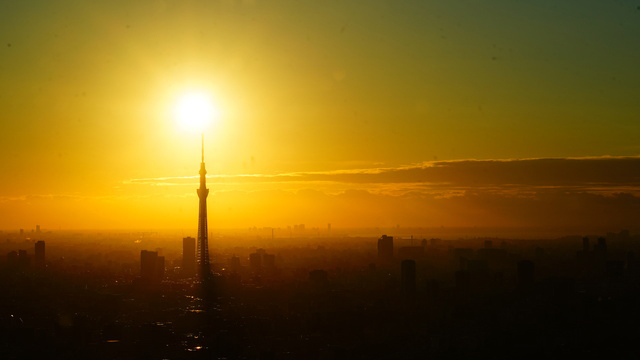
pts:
[315, 295]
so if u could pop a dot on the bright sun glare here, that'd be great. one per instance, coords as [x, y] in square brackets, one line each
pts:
[195, 112]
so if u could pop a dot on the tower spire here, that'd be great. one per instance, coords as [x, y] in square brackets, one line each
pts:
[203, 229]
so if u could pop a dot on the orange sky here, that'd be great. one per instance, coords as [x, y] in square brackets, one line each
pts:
[327, 91]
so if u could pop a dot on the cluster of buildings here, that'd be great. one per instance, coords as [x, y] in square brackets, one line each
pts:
[21, 259]
[152, 264]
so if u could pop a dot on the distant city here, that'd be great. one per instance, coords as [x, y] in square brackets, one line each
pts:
[139, 295]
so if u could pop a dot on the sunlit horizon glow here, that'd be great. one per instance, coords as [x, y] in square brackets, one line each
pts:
[343, 95]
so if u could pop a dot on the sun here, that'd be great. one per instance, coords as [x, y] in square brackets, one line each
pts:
[195, 111]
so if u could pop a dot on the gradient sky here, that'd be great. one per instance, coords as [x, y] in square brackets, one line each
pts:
[87, 90]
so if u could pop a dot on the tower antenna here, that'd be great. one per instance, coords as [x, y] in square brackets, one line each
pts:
[203, 232]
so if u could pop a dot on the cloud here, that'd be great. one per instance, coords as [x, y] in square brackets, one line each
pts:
[593, 174]
[583, 193]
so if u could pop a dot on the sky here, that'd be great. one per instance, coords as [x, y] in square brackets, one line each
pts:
[355, 113]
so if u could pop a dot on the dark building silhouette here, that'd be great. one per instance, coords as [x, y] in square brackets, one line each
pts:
[385, 248]
[601, 246]
[234, 264]
[319, 278]
[491, 254]
[614, 269]
[39, 254]
[12, 258]
[435, 242]
[585, 256]
[408, 277]
[474, 265]
[622, 235]
[159, 268]
[203, 237]
[633, 265]
[525, 273]
[23, 259]
[411, 252]
[463, 253]
[262, 263]
[148, 265]
[433, 288]
[188, 257]
[462, 280]
[255, 262]
[269, 261]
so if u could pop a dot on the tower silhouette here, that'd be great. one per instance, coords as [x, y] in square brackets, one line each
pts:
[203, 237]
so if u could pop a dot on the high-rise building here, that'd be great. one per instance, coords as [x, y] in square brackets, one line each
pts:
[601, 246]
[23, 259]
[255, 262]
[203, 237]
[385, 248]
[151, 266]
[12, 258]
[39, 251]
[269, 261]
[234, 264]
[525, 273]
[148, 265]
[159, 275]
[319, 278]
[189, 257]
[408, 277]
[411, 252]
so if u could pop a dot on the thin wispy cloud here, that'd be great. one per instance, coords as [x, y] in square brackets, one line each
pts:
[598, 174]
[560, 192]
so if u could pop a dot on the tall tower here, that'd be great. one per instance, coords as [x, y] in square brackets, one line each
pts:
[203, 231]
